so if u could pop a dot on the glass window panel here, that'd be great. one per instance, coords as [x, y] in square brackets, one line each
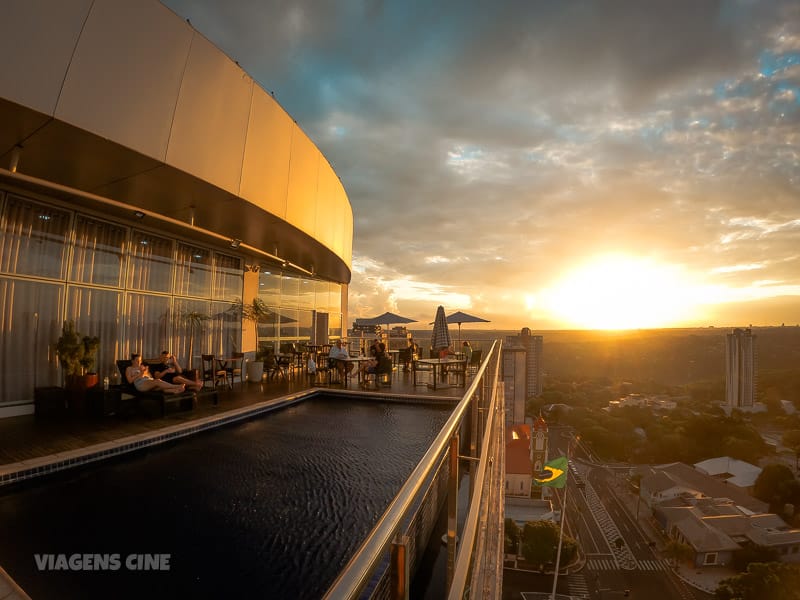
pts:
[226, 328]
[192, 331]
[30, 325]
[321, 295]
[268, 333]
[228, 277]
[193, 271]
[290, 290]
[307, 293]
[98, 252]
[150, 266]
[269, 287]
[305, 321]
[288, 325]
[335, 297]
[96, 313]
[147, 325]
[334, 325]
[34, 239]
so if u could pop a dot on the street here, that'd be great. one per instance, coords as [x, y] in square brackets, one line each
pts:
[618, 556]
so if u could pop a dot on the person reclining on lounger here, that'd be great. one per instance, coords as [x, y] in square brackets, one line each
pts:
[139, 376]
[170, 370]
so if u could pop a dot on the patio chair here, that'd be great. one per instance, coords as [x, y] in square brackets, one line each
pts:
[474, 362]
[211, 372]
[237, 368]
[383, 373]
[324, 369]
[275, 366]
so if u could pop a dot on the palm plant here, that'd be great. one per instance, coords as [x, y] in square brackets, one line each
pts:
[194, 320]
[256, 312]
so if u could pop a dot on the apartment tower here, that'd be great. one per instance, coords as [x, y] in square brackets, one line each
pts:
[533, 359]
[740, 369]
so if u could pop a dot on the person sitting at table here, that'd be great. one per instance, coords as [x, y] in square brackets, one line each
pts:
[381, 362]
[170, 370]
[338, 359]
[373, 347]
[466, 350]
[138, 374]
[412, 352]
[374, 351]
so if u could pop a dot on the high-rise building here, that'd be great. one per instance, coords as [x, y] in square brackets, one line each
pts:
[533, 360]
[514, 386]
[740, 368]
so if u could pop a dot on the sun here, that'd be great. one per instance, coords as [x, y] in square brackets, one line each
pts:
[620, 292]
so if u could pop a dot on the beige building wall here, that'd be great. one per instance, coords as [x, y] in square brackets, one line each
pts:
[138, 75]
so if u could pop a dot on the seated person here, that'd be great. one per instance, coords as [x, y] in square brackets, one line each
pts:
[139, 376]
[412, 352]
[466, 349]
[337, 358]
[381, 363]
[372, 362]
[170, 370]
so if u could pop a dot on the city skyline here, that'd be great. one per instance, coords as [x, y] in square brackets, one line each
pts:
[551, 166]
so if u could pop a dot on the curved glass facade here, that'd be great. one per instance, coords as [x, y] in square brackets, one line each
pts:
[135, 289]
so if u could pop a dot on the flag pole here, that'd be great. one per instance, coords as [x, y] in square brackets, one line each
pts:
[561, 532]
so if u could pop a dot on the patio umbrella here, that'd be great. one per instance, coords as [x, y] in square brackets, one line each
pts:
[387, 318]
[462, 317]
[440, 337]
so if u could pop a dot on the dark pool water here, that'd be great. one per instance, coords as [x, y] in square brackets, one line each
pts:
[269, 508]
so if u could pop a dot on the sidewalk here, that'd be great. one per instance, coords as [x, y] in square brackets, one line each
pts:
[705, 579]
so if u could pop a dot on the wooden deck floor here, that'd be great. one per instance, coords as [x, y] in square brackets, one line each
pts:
[25, 438]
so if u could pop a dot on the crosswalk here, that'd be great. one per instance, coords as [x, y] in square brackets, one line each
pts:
[609, 564]
[578, 588]
[653, 565]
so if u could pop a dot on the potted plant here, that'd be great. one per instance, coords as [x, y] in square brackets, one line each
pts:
[77, 354]
[256, 312]
[194, 319]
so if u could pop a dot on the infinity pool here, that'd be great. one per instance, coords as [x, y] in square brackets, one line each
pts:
[272, 507]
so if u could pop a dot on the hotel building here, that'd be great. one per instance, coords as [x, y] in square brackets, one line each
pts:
[740, 369]
[148, 186]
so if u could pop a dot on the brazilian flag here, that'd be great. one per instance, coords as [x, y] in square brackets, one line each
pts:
[554, 473]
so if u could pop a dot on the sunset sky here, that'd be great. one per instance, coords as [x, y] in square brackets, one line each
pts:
[548, 164]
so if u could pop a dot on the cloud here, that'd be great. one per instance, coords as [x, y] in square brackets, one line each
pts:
[487, 148]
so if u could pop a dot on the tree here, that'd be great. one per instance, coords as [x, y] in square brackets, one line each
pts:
[762, 581]
[512, 534]
[753, 553]
[540, 543]
[676, 551]
[773, 485]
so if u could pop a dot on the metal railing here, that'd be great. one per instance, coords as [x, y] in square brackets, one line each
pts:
[381, 568]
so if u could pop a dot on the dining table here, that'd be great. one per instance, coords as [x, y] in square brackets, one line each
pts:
[356, 360]
[440, 366]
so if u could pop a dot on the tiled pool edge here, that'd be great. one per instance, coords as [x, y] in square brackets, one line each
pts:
[45, 465]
